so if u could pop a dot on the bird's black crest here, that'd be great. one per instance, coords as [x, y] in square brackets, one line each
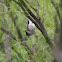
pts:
[28, 21]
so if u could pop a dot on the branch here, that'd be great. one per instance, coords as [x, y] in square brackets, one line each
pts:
[61, 3]
[27, 15]
[20, 37]
[37, 4]
[19, 54]
[18, 30]
[42, 25]
[7, 32]
[30, 5]
[54, 60]
[56, 24]
[39, 23]
[13, 37]
[56, 8]
[60, 37]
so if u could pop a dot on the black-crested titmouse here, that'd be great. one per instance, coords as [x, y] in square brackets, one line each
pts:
[30, 28]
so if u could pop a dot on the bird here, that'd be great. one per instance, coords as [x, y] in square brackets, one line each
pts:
[30, 28]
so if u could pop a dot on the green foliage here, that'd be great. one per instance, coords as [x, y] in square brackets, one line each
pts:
[42, 54]
[2, 57]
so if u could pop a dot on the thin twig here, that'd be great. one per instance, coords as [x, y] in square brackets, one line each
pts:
[13, 37]
[56, 7]
[18, 29]
[37, 11]
[27, 48]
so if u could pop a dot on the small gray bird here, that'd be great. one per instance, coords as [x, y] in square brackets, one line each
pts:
[30, 28]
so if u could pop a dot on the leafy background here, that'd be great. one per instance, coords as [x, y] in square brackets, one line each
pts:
[43, 54]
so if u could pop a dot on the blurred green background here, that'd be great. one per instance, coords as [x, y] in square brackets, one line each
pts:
[43, 51]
